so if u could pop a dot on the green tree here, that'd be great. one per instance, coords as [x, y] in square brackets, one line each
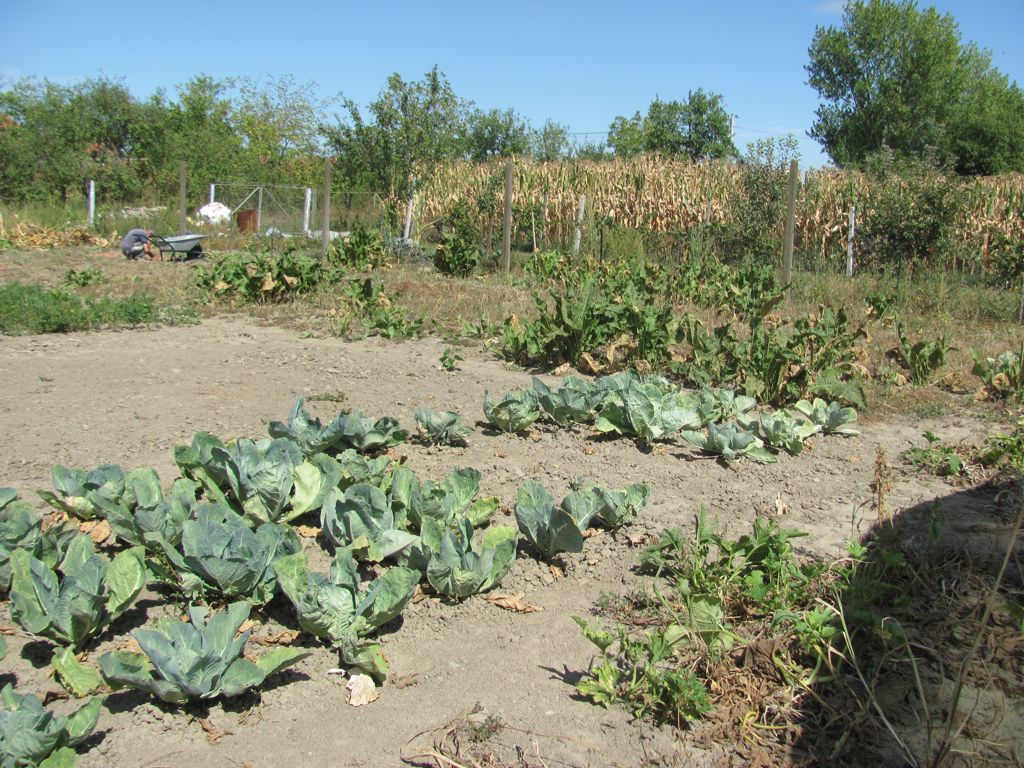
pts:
[898, 77]
[412, 127]
[549, 142]
[496, 133]
[696, 128]
[202, 135]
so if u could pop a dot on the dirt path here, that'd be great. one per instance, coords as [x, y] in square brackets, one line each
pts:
[129, 397]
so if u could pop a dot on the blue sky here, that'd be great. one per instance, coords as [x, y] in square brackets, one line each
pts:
[578, 63]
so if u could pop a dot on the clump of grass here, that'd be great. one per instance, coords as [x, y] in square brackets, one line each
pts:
[33, 309]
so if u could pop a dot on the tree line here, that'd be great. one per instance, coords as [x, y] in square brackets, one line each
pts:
[898, 88]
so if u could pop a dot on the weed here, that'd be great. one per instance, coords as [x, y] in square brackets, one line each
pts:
[84, 277]
[937, 458]
[450, 359]
[33, 309]
[922, 358]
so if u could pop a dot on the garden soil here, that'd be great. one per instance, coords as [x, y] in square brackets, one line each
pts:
[129, 397]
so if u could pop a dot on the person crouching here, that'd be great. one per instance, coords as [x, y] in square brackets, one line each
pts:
[137, 243]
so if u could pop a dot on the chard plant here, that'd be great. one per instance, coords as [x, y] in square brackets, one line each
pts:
[574, 402]
[197, 660]
[729, 442]
[81, 598]
[831, 417]
[644, 410]
[441, 427]
[714, 406]
[464, 565]
[515, 412]
[32, 735]
[345, 611]
[219, 553]
[362, 520]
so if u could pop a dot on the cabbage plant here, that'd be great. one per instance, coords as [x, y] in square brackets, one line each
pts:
[643, 409]
[453, 497]
[309, 434]
[713, 406]
[730, 441]
[616, 508]
[79, 600]
[135, 520]
[514, 412]
[77, 489]
[781, 430]
[20, 528]
[357, 468]
[218, 552]
[362, 520]
[32, 735]
[441, 427]
[367, 435]
[831, 417]
[463, 565]
[552, 529]
[575, 401]
[200, 659]
[345, 611]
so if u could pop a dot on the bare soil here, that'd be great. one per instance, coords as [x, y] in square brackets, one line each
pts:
[128, 397]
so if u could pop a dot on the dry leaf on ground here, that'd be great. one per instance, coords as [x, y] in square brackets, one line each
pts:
[514, 603]
[361, 690]
[286, 637]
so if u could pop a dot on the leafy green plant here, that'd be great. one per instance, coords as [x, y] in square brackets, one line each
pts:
[263, 277]
[362, 249]
[464, 565]
[456, 255]
[366, 304]
[441, 427]
[515, 412]
[196, 660]
[31, 735]
[923, 358]
[575, 401]
[308, 433]
[616, 508]
[716, 405]
[88, 594]
[729, 441]
[219, 553]
[82, 278]
[343, 610]
[936, 458]
[644, 409]
[20, 528]
[1002, 376]
[548, 528]
[832, 418]
[643, 676]
[34, 309]
[446, 502]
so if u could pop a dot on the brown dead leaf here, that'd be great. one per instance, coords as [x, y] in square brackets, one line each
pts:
[418, 595]
[213, 734]
[634, 539]
[659, 450]
[395, 456]
[588, 450]
[55, 695]
[854, 459]
[286, 637]
[592, 532]
[7, 630]
[561, 370]
[407, 680]
[535, 436]
[361, 690]
[98, 530]
[247, 625]
[131, 645]
[308, 531]
[500, 455]
[557, 572]
[514, 603]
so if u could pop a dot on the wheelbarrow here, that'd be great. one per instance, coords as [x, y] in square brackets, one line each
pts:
[180, 247]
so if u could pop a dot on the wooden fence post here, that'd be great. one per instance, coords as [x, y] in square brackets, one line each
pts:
[182, 222]
[787, 242]
[325, 227]
[849, 240]
[579, 226]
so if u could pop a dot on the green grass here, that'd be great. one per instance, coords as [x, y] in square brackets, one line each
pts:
[33, 309]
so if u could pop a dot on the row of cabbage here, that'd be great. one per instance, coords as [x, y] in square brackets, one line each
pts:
[222, 534]
[718, 422]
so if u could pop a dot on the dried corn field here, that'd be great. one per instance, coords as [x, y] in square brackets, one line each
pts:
[665, 195]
